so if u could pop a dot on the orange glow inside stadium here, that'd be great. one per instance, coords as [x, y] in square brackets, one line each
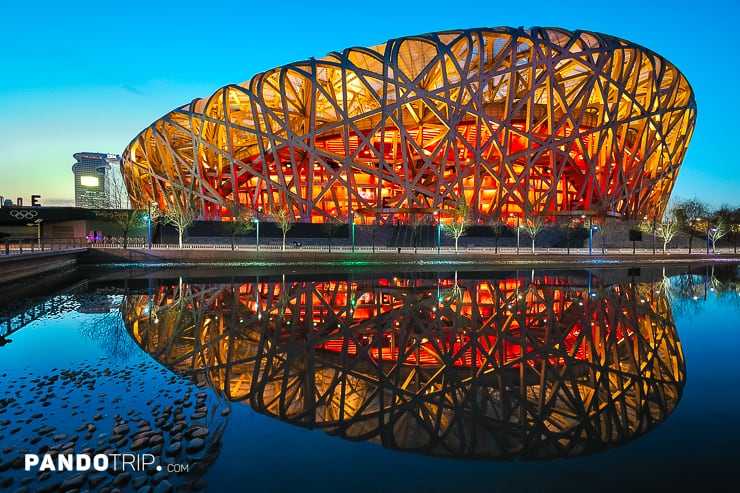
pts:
[366, 150]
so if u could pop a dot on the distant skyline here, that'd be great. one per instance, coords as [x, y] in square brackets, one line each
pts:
[89, 76]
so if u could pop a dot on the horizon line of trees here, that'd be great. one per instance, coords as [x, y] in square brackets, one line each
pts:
[691, 217]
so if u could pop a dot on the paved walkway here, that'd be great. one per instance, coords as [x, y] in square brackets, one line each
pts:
[321, 253]
[218, 253]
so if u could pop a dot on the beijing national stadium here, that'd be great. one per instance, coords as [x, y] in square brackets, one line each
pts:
[511, 121]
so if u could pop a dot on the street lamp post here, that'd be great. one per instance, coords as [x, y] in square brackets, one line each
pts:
[257, 222]
[439, 230]
[38, 232]
[692, 224]
[352, 225]
[707, 239]
[590, 232]
[149, 226]
[37, 223]
[655, 218]
[590, 235]
[151, 208]
[496, 233]
[517, 231]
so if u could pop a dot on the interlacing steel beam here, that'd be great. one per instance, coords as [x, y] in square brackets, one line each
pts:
[512, 121]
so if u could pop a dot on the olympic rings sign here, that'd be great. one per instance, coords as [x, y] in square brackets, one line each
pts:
[23, 214]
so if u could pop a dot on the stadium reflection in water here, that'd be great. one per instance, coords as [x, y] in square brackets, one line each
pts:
[494, 367]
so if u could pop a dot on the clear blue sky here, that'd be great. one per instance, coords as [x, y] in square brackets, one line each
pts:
[89, 76]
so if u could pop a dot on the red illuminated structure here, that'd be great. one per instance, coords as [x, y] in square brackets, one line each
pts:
[514, 122]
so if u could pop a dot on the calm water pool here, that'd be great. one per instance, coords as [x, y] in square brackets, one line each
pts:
[544, 380]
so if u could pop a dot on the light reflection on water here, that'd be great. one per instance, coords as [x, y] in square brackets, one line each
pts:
[536, 367]
[523, 365]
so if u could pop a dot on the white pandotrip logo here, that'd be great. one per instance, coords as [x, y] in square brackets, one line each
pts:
[83, 462]
[100, 462]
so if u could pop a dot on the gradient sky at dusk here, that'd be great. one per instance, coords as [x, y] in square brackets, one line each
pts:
[89, 76]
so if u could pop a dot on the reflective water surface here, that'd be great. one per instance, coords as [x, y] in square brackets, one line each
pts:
[529, 380]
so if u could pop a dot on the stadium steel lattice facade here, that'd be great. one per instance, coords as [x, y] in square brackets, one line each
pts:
[515, 122]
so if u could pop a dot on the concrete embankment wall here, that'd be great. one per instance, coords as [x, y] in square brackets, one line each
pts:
[15, 267]
[142, 262]
[224, 265]
[196, 256]
[216, 255]
[268, 256]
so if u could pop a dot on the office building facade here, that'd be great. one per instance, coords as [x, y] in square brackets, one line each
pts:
[92, 178]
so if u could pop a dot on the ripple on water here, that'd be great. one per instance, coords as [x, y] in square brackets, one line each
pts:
[94, 409]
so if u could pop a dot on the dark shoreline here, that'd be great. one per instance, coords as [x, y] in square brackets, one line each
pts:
[214, 257]
[101, 264]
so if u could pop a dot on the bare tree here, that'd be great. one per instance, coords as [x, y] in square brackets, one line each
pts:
[666, 228]
[690, 213]
[724, 282]
[730, 217]
[283, 217]
[460, 221]
[109, 331]
[496, 224]
[733, 221]
[181, 213]
[533, 223]
[605, 227]
[685, 294]
[569, 225]
[331, 226]
[116, 194]
[735, 228]
[373, 227]
[242, 221]
[719, 228]
[416, 222]
[118, 206]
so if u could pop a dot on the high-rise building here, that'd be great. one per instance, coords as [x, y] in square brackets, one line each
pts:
[92, 171]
